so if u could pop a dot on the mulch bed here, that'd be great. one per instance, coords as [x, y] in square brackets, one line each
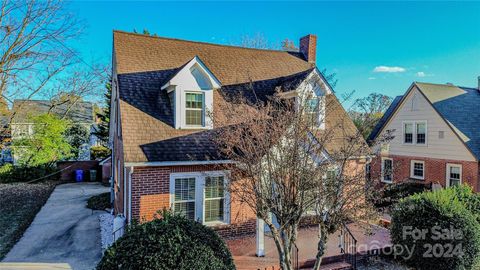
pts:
[19, 203]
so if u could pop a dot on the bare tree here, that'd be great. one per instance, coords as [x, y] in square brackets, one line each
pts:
[287, 167]
[33, 36]
[367, 111]
[257, 41]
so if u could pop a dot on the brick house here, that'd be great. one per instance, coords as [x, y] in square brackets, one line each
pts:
[436, 136]
[162, 91]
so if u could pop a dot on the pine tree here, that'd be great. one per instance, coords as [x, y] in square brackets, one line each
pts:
[104, 115]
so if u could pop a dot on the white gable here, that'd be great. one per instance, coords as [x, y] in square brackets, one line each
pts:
[193, 77]
[441, 143]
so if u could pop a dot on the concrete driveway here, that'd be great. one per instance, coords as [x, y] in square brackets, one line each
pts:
[64, 231]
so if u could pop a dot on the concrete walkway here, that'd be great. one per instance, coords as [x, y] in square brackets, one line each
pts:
[64, 231]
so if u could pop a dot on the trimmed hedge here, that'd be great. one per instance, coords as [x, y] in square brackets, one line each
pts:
[170, 242]
[430, 213]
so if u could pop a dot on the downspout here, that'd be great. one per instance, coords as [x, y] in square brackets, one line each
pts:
[130, 195]
[124, 190]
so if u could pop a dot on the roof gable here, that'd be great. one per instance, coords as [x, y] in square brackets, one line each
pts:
[195, 68]
[457, 106]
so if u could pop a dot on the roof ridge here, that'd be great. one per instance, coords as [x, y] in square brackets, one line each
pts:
[200, 42]
[446, 84]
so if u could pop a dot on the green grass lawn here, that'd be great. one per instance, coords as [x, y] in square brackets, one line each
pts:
[19, 203]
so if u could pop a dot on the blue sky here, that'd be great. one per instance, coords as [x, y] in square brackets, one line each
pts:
[360, 41]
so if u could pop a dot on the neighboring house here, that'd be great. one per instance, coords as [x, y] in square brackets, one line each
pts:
[162, 91]
[79, 113]
[436, 136]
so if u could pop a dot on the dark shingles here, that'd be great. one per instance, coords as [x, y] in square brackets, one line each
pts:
[463, 112]
[388, 113]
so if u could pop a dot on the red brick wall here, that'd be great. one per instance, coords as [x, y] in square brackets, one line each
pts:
[435, 170]
[150, 193]
[68, 169]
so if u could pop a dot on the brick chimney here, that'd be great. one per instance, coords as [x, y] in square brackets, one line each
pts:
[308, 47]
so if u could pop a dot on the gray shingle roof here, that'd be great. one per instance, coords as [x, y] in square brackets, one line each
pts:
[459, 106]
[388, 113]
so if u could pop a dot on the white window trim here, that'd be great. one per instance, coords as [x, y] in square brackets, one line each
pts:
[383, 171]
[447, 173]
[412, 167]
[200, 194]
[184, 107]
[414, 134]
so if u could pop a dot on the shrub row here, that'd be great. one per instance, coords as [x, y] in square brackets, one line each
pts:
[438, 230]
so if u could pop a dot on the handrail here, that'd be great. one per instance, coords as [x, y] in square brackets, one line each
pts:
[348, 246]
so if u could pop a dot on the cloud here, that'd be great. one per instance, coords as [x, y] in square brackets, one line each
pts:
[420, 74]
[389, 69]
[372, 78]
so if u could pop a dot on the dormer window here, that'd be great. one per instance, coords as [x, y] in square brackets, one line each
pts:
[311, 105]
[191, 94]
[194, 109]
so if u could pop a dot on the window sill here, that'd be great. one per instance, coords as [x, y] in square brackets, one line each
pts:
[386, 182]
[195, 127]
[216, 224]
[416, 178]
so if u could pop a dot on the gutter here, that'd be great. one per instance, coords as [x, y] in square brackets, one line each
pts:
[176, 163]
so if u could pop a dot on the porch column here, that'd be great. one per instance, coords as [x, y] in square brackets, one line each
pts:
[260, 238]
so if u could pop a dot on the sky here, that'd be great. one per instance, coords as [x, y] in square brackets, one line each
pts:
[371, 46]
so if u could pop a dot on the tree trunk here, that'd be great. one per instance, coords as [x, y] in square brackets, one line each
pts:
[283, 242]
[321, 248]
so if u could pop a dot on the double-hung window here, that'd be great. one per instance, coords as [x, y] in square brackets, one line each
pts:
[194, 109]
[408, 133]
[214, 199]
[200, 196]
[415, 132]
[421, 129]
[454, 174]
[387, 170]
[311, 105]
[184, 197]
[417, 169]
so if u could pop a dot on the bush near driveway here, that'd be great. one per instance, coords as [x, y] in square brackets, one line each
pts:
[431, 212]
[11, 174]
[99, 202]
[170, 242]
[19, 203]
